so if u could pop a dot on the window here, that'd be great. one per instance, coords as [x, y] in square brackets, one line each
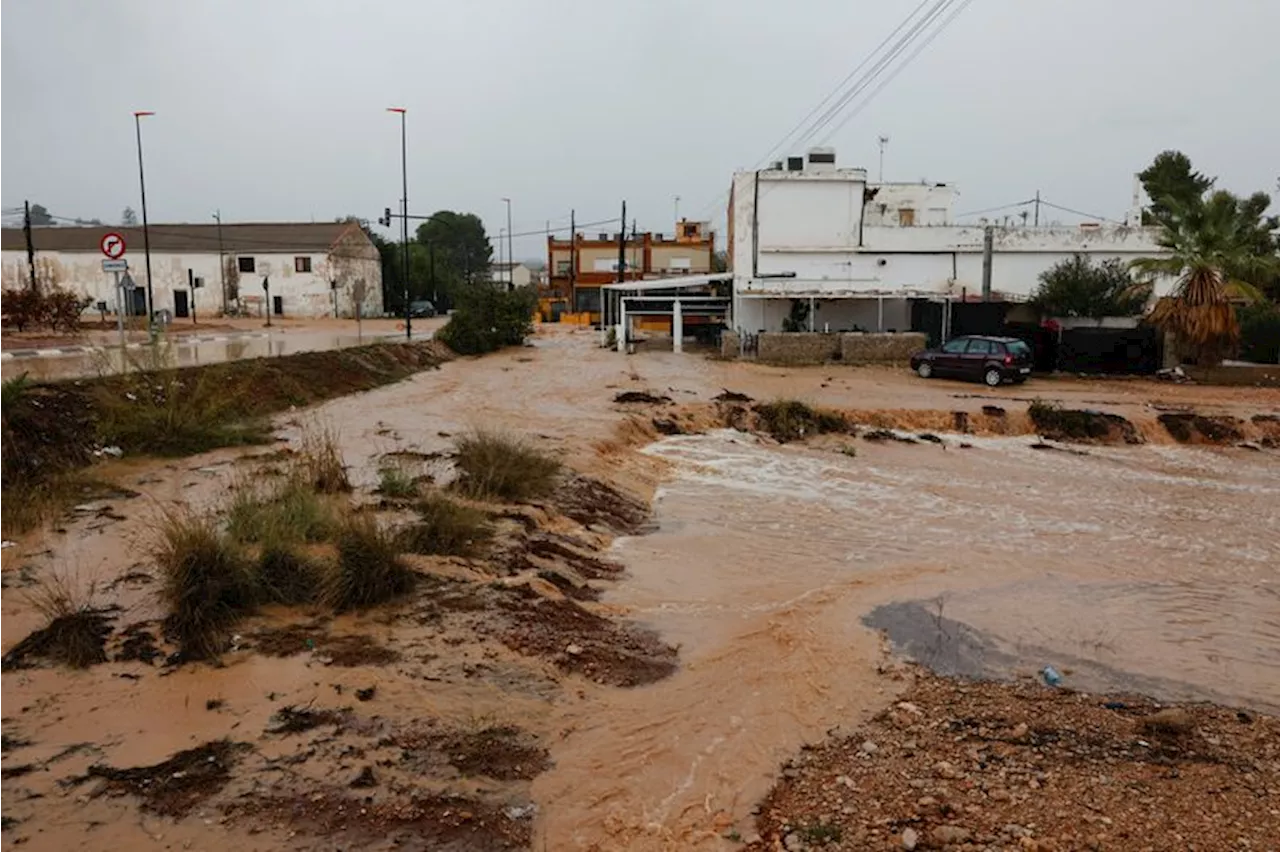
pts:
[979, 347]
[562, 267]
[680, 264]
[690, 230]
[906, 217]
[588, 300]
[1018, 347]
[955, 347]
[302, 263]
[246, 264]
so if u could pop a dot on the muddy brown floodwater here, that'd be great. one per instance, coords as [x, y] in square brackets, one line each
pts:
[777, 571]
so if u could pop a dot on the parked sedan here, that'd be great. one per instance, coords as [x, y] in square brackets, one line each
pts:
[421, 309]
[991, 360]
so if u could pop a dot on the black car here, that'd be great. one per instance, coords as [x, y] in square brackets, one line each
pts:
[991, 360]
[421, 309]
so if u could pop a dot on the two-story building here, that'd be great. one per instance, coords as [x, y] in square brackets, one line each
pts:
[309, 269]
[860, 255]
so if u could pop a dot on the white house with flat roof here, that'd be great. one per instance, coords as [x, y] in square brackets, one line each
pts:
[862, 253]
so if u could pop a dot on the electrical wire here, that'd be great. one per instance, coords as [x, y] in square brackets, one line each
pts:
[996, 209]
[1080, 213]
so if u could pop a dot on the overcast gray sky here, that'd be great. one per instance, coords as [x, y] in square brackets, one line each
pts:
[274, 109]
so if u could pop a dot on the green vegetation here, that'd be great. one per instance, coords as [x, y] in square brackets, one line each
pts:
[289, 513]
[493, 465]
[1222, 249]
[1259, 332]
[487, 318]
[207, 583]
[369, 570]
[446, 528]
[789, 420]
[1078, 287]
[320, 462]
[396, 483]
[286, 576]
[47, 306]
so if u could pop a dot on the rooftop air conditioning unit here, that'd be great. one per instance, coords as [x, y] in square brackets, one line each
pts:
[795, 164]
[822, 159]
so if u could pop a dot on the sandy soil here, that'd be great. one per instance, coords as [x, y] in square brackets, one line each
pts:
[519, 700]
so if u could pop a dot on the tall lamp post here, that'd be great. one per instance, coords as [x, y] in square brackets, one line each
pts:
[146, 234]
[404, 217]
[511, 260]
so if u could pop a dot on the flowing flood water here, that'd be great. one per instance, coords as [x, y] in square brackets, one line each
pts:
[1151, 569]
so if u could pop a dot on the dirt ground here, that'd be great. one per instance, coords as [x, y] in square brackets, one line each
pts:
[484, 712]
[95, 333]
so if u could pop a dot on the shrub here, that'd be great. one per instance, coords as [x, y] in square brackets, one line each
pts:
[1260, 333]
[76, 630]
[290, 513]
[369, 570]
[52, 308]
[492, 465]
[206, 583]
[789, 420]
[320, 462]
[446, 528]
[487, 318]
[396, 482]
[285, 575]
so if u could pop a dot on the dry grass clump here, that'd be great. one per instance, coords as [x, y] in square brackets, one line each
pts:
[320, 462]
[446, 528]
[76, 632]
[492, 465]
[291, 512]
[206, 581]
[368, 570]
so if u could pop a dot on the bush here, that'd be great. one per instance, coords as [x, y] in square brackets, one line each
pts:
[491, 465]
[289, 514]
[369, 570]
[1260, 333]
[285, 575]
[446, 528]
[206, 583]
[52, 308]
[790, 420]
[396, 483]
[487, 318]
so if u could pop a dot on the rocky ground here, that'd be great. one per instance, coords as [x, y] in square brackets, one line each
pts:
[997, 766]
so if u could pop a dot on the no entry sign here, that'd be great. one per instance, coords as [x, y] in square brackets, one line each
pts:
[112, 245]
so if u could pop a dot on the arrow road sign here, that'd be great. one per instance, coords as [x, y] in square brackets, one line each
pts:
[112, 245]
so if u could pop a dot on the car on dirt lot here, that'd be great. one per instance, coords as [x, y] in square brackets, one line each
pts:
[421, 309]
[991, 360]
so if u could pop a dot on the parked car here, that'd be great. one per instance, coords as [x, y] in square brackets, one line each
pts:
[991, 360]
[422, 308]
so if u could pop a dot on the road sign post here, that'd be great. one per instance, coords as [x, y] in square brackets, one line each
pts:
[119, 309]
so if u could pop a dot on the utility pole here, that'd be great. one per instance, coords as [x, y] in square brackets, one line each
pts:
[511, 259]
[622, 245]
[222, 263]
[1037, 208]
[431, 251]
[988, 241]
[146, 234]
[31, 246]
[404, 219]
[573, 262]
[677, 219]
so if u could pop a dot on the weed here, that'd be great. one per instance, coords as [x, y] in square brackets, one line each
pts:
[396, 483]
[292, 512]
[789, 420]
[369, 570]
[320, 462]
[446, 528]
[13, 390]
[76, 632]
[820, 833]
[849, 450]
[207, 583]
[493, 465]
[285, 575]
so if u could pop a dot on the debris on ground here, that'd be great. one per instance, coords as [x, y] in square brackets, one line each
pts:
[175, 786]
[727, 395]
[1188, 428]
[1078, 424]
[643, 397]
[77, 639]
[984, 765]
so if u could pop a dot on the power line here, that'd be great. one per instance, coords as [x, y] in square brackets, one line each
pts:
[1080, 213]
[996, 209]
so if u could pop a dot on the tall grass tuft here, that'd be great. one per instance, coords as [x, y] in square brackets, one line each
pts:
[207, 583]
[368, 570]
[291, 512]
[76, 630]
[492, 465]
[396, 483]
[320, 462]
[445, 528]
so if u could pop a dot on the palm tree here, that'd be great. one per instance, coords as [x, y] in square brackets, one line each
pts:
[1212, 252]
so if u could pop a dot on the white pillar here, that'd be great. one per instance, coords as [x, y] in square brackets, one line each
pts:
[811, 312]
[880, 313]
[622, 325]
[677, 328]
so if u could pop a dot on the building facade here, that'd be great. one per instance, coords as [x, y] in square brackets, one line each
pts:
[859, 254]
[578, 268]
[311, 269]
[516, 274]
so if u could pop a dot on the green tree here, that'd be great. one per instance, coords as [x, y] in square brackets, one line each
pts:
[461, 247]
[487, 318]
[1213, 252]
[40, 215]
[1077, 287]
[128, 217]
[1170, 178]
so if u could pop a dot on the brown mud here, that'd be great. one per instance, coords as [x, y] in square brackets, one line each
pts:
[607, 677]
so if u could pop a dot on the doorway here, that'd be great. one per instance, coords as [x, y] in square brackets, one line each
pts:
[180, 308]
[277, 305]
[139, 300]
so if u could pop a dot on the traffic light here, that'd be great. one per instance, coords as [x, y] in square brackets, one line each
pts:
[386, 217]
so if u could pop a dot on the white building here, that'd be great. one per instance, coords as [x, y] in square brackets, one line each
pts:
[862, 253]
[516, 273]
[312, 268]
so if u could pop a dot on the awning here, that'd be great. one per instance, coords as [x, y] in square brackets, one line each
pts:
[681, 283]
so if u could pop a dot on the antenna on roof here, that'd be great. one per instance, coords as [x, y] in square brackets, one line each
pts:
[884, 143]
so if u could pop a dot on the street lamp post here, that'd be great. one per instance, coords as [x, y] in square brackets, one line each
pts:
[146, 234]
[222, 264]
[404, 217]
[511, 260]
